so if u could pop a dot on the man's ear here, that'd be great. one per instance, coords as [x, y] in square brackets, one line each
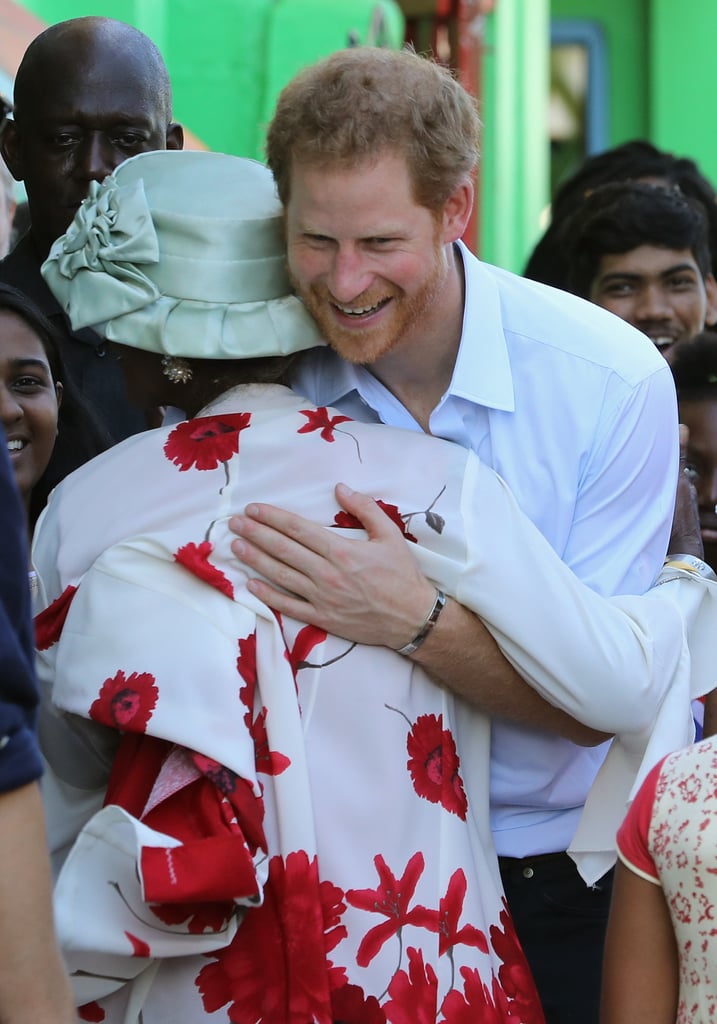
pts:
[457, 211]
[11, 150]
[711, 291]
[175, 136]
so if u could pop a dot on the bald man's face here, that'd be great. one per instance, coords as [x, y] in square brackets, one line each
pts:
[87, 115]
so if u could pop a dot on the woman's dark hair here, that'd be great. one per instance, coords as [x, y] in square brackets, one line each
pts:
[214, 376]
[694, 366]
[622, 216]
[80, 435]
[635, 160]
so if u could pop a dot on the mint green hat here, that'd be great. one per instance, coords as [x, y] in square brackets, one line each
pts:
[182, 253]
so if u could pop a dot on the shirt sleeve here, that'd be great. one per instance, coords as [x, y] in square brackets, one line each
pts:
[633, 835]
[545, 619]
[623, 513]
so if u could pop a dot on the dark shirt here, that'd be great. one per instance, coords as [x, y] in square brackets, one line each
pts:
[19, 756]
[94, 370]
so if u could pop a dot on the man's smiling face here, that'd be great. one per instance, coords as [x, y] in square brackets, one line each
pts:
[366, 258]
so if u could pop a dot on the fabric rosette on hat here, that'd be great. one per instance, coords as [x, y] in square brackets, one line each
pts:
[182, 253]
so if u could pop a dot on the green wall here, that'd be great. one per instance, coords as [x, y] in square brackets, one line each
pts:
[228, 59]
[661, 76]
[683, 80]
[514, 165]
[625, 24]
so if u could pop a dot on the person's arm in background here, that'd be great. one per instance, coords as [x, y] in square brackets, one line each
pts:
[686, 539]
[640, 968]
[33, 983]
[709, 724]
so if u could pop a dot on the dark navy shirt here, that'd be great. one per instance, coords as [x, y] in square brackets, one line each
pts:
[19, 754]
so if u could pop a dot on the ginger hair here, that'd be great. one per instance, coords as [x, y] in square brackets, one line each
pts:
[359, 103]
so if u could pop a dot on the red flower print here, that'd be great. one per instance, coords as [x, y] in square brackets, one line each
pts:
[351, 1005]
[514, 973]
[291, 928]
[319, 419]
[49, 622]
[246, 664]
[434, 765]
[195, 558]
[92, 1012]
[126, 703]
[391, 898]
[394, 514]
[478, 1002]
[349, 522]
[690, 788]
[304, 642]
[682, 908]
[223, 778]
[445, 920]
[206, 442]
[332, 910]
[246, 667]
[209, 917]
[306, 639]
[414, 994]
[139, 947]
[269, 762]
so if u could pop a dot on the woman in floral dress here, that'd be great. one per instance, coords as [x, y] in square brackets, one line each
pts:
[285, 830]
[267, 823]
[662, 937]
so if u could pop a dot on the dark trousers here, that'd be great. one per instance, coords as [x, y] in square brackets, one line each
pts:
[561, 924]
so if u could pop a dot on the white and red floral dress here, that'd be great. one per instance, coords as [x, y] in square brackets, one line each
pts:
[289, 828]
[669, 837]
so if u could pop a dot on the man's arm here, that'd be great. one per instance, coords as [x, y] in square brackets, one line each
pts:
[33, 983]
[375, 592]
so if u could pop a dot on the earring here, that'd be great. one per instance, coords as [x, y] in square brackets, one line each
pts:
[176, 369]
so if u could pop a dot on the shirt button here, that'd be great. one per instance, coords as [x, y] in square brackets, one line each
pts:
[528, 872]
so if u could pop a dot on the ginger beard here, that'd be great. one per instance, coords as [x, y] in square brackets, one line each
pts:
[395, 313]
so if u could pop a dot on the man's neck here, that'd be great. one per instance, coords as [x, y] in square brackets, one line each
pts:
[419, 370]
[40, 246]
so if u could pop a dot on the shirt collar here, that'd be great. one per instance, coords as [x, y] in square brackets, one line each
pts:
[482, 373]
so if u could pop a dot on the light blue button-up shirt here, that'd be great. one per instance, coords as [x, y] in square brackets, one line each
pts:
[576, 411]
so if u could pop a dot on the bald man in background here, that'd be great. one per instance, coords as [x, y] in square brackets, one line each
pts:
[89, 93]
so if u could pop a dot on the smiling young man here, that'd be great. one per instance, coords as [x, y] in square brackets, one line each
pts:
[642, 251]
[373, 153]
[89, 93]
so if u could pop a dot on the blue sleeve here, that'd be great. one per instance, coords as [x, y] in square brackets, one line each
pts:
[19, 755]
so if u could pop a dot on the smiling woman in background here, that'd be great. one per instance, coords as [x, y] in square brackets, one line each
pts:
[49, 431]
